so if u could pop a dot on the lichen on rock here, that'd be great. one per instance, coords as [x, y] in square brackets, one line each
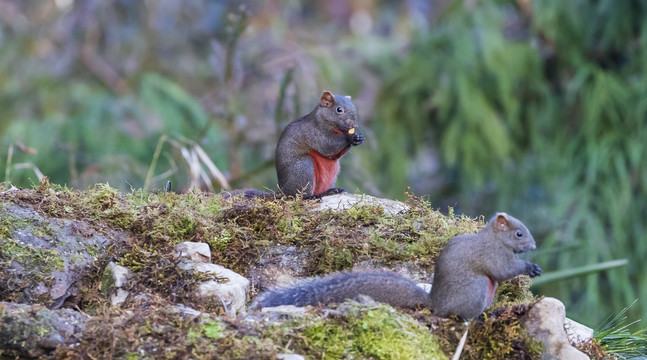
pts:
[44, 258]
[35, 331]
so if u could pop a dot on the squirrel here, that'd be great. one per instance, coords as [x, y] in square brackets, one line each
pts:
[467, 273]
[309, 149]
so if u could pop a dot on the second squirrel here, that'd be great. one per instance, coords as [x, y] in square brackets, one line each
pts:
[467, 273]
[308, 152]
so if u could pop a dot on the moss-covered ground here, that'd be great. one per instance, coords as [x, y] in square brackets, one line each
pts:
[238, 230]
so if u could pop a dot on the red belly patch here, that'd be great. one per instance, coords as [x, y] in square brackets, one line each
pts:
[326, 169]
[491, 290]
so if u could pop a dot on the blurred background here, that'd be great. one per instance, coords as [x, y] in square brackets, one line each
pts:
[536, 108]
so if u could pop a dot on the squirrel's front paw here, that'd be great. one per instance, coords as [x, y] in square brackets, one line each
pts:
[534, 270]
[356, 139]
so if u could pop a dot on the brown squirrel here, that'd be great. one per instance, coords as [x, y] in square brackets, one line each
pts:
[308, 152]
[467, 273]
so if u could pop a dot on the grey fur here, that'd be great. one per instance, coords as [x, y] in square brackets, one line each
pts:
[314, 131]
[338, 287]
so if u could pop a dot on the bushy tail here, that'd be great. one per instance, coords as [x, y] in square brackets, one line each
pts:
[386, 287]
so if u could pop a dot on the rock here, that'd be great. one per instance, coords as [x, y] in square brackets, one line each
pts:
[290, 357]
[185, 311]
[48, 257]
[194, 251]
[545, 322]
[230, 289]
[289, 310]
[114, 280]
[345, 201]
[577, 332]
[34, 331]
[120, 274]
[118, 297]
[279, 265]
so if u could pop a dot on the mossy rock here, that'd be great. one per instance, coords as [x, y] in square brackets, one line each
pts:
[241, 233]
[44, 259]
[35, 331]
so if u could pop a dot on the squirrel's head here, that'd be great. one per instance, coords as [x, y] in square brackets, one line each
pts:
[512, 232]
[337, 113]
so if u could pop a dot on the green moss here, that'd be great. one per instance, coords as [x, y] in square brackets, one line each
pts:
[332, 341]
[375, 331]
[208, 328]
[91, 249]
[42, 230]
[500, 336]
[107, 282]
[107, 204]
[6, 226]
[497, 335]
[213, 329]
[513, 292]
[131, 356]
[178, 227]
[330, 257]
[32, 258]
[9, 224]
[360, 215]
[532, 347]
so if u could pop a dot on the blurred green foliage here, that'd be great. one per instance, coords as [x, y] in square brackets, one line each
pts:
[536, 108]
[547, 123]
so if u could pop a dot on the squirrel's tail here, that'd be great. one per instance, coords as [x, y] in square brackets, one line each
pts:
[386, 287]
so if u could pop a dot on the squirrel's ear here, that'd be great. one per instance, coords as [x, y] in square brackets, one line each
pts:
[327, 99]
[501, 222]
[349, 97]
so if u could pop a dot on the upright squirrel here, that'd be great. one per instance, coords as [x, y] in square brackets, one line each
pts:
[308, 152]
[467, 273]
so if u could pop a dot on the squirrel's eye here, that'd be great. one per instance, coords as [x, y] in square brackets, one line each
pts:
[519, 233]
[340, 109]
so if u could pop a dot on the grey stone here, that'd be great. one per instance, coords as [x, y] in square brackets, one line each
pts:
[120, 274]
[115, 278]
[118, 297]
[279, 265]
[35, 331]
[577, 332]
[545, 322]
[50, 256]
[290, 357]
[195, 251]
[345, 201]
[290, 310]
[184, 310]
[230, 289]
